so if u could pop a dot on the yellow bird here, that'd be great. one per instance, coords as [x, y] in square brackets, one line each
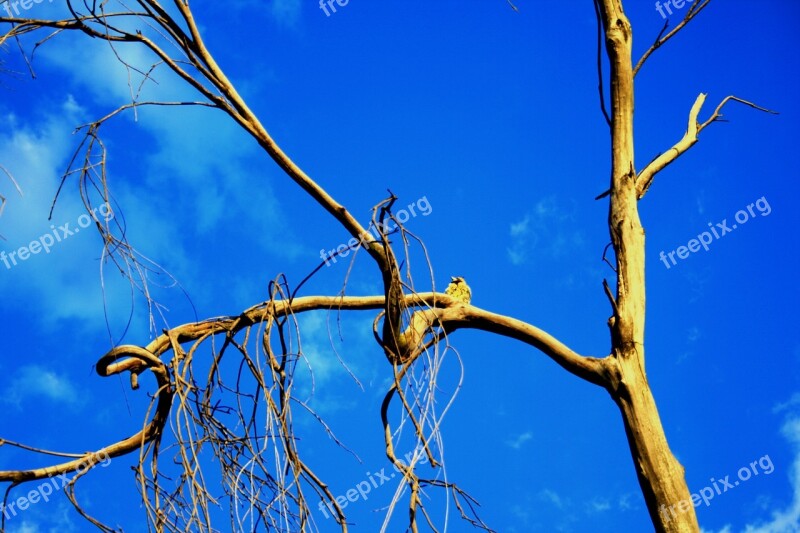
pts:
[459, 289]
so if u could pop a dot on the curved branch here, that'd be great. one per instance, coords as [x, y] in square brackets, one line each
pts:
[645, 177]
[443, 311]
[136, 360]
[592, 369]
[450, 314]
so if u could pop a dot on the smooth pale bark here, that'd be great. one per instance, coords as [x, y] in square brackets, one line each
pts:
[660, 475]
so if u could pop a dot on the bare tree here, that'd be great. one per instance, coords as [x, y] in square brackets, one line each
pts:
[269, 484]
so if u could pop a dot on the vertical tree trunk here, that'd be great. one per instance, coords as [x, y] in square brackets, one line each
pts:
[660, 475]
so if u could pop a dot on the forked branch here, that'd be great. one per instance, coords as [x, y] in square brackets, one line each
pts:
[689, 139]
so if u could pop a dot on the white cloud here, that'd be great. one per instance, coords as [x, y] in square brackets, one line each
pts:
[781, 520]
[626, 502]
[518, 441]
[197, 177]
[66, 277]
[793, 402]
[201, 154]
[64, 280]
[34, 381]
[544, 233]
[786, 520]
[551, 497]
[286, 12]
[599, 505]
[25, 527]
[56, 519]
[520, 229]
[316, 347]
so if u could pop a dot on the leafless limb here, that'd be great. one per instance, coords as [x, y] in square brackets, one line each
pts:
[693, 129]
[694, 10]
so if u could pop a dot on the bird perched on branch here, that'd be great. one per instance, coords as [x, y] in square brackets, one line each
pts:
[459, 289]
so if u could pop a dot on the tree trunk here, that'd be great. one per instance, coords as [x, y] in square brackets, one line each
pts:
[660, 475]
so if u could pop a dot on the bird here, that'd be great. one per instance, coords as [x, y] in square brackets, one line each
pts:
[459, 290]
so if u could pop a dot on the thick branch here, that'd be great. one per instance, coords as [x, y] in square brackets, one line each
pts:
[592, 369]
[443, 311]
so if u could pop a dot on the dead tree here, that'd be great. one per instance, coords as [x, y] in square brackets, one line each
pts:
[409, 326]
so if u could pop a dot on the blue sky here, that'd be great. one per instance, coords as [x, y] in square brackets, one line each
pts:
[492, 118]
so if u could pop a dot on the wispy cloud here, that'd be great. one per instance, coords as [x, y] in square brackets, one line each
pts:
[543, 232]
[198, 176]
[56, 519]
[37, 382]
[552, 497]
[782, 520]
[793, 402]
[36, 153]
[629, 501]
[316, 348]
[599, 505]
[338, 357]
[518, 441]
[25, 527]
[286, 12]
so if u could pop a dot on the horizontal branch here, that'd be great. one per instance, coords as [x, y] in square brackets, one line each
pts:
[445, 312]
[448, 312]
